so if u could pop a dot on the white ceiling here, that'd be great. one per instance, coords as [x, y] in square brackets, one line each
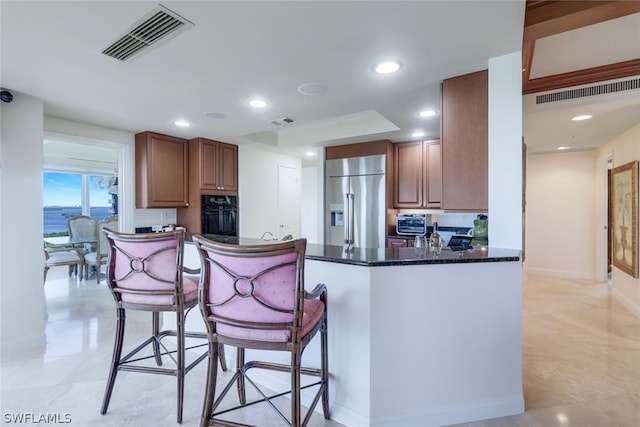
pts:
[237, 50]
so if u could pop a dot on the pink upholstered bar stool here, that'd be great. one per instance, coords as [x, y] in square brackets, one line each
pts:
[145, 272]
[253, 297]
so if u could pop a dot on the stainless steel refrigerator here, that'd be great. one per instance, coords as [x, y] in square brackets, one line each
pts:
[355, 202]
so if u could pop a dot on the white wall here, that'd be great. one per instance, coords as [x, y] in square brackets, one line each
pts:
[625, 149]
[561, 214]
[21, 257]
[311, 208]
[258, 191]
[505, 151]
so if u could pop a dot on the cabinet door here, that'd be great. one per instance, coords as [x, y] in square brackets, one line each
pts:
[161, 171]
[208, 165]
[465, 154]
[228, 167]
[218, 166]
[433, 185]
[396, 243]
[408, 175]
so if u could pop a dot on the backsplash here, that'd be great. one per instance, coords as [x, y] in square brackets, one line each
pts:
[154, 217]
[444, 219]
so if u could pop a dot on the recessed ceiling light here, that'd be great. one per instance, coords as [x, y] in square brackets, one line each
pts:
[417, 134]
[563, 147]
[585, 117]
[258, 103]
[309, 153]
[182, 123]
[427, 113]
[387, 67]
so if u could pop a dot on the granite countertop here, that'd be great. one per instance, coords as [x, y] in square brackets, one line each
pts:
[407, 256]
[384, 256]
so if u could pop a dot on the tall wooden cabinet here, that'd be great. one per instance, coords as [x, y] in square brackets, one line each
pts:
[465, 150]
[161, 171]
[417, 174]
[213, 170]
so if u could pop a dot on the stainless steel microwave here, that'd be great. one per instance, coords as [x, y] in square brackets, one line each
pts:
[411, 224]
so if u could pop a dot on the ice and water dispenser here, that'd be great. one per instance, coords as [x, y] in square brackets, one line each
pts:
[336, 212]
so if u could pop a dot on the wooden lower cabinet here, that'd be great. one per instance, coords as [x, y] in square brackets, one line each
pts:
[400, 242]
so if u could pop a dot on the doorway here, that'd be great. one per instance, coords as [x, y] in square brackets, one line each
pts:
[79, 154]
[288, 201]
[603, 217]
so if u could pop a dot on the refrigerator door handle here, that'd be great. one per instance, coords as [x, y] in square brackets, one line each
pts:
[351, 218]
[347, 216]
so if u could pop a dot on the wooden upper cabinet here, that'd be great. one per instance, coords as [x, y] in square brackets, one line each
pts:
[228, 167]
[161, 171]
[408, 175]
[465, 153]
[416, 174]
[216, 164]
[433, 160]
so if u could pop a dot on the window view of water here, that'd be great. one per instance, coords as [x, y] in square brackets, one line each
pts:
[55, 217]
[62, 199]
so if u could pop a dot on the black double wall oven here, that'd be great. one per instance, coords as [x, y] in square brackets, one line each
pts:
[220, 215]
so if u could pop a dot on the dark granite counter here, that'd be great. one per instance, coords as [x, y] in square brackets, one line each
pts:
[406, 256]
[385, 256]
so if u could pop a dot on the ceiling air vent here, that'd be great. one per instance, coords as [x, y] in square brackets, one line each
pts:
[602, 89]
[283, 121]
[157, 26]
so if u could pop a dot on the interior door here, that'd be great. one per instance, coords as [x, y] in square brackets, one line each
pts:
[602, 227]
[288, 201]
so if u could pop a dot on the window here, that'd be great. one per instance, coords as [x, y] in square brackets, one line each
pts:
[67, 194]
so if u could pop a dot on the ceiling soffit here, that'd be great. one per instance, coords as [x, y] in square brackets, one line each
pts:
[546, 20]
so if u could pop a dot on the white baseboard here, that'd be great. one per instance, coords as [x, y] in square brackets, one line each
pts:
[561, 273]
[430, 417]
[631, 306]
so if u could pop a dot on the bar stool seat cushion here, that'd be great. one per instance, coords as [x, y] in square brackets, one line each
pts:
[313, 312]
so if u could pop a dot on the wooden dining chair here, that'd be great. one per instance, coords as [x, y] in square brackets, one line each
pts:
[253, 297]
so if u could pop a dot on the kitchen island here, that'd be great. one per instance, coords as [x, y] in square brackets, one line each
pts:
[414, 339]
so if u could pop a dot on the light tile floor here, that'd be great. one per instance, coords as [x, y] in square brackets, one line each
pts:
[581, 358]
[581, 363]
